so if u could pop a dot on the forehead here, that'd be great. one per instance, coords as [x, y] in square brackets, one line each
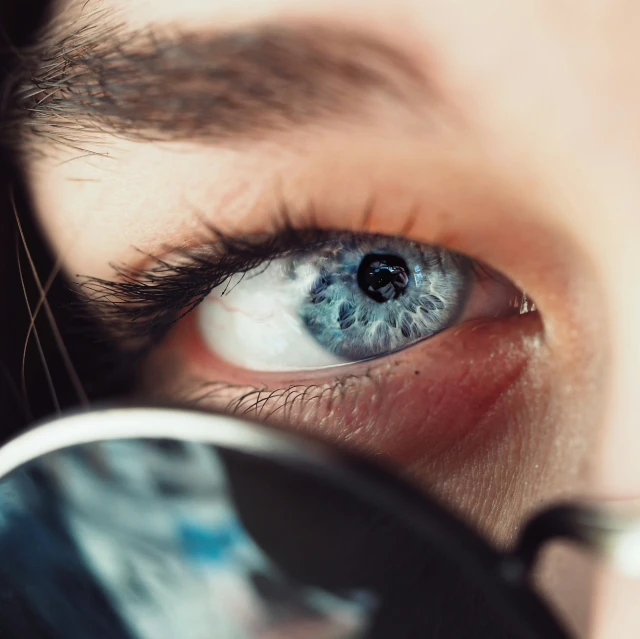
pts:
[513, 75]
[409, 20]
[484, 39]
[209, 14]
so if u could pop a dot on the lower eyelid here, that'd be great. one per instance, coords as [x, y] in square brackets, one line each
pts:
[414, 404]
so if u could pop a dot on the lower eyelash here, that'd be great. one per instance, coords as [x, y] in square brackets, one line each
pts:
[280, 404]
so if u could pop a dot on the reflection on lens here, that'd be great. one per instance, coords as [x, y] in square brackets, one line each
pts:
[154, 526]
[209, 527]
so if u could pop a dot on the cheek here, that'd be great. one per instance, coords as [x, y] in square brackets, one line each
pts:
[465, 413]
[434, 399]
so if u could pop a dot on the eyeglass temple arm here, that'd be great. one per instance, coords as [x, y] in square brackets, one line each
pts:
[615, 538]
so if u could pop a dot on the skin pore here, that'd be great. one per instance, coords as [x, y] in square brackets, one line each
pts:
[503, 131]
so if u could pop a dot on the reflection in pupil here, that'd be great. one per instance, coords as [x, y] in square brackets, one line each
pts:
[383, 277]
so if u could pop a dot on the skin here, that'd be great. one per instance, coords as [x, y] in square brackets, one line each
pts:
[529, 164]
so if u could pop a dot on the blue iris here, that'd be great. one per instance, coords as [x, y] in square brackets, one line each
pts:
[374, 295]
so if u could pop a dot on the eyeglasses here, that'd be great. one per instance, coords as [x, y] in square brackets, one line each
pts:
[160, 524]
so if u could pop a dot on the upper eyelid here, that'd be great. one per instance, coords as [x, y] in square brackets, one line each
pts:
[154, 297]
[224, 252]
[141, 304]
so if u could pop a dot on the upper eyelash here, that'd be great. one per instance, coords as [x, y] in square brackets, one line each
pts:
[143, 304]
[139, 306]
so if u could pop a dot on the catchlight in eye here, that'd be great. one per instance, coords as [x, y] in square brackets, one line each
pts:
[346, 299]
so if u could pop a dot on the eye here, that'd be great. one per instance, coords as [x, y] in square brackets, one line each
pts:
[348, 299]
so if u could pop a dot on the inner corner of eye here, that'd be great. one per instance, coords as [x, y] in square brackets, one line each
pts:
[348, 299]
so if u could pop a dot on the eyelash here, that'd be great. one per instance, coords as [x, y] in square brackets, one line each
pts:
[265, 403]
[143, 304]
[140, 306]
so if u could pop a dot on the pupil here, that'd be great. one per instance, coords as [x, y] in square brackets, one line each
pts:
[383, 277]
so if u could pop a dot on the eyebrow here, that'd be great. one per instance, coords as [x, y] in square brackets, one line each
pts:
[193, 86]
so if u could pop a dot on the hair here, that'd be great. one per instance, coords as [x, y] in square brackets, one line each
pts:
[18, 21]
[38, 384]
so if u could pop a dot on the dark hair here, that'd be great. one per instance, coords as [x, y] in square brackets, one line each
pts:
[25, 388]
[18, 22]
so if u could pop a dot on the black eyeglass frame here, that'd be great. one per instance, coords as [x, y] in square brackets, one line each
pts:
[503, 577]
